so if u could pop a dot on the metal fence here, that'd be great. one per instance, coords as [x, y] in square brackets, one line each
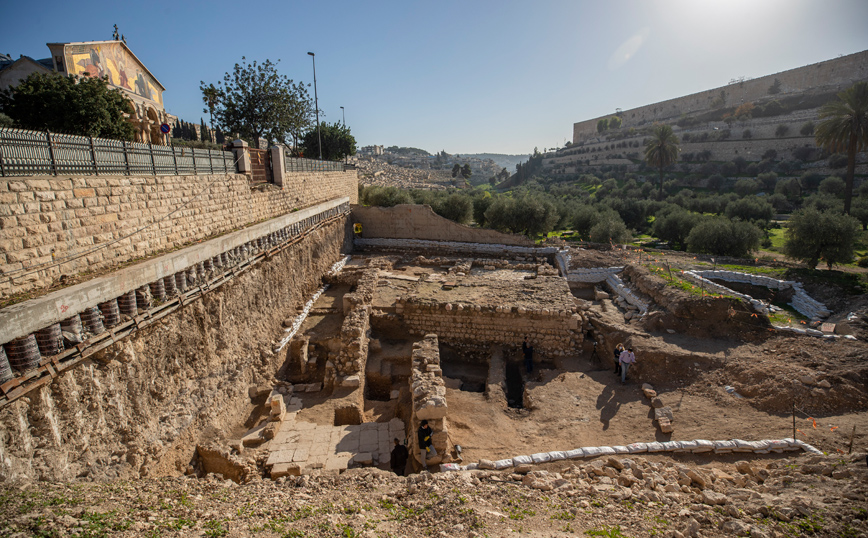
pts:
[310, 165]
[30, 153]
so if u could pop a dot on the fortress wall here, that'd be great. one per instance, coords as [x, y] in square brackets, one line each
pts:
[836, 74]
[48, 219]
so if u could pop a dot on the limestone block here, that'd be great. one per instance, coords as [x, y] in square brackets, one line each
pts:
[363, 458]
[285, 469]
[271, 429]
[351, 381]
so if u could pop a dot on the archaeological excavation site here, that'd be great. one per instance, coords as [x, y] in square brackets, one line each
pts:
[190, 355]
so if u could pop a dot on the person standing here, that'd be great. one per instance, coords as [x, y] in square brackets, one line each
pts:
[426, 446]
[398, 460]
[626, 359]
[527, 349]
[618, 350]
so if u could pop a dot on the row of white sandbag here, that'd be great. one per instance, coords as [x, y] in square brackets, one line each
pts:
[698, 446]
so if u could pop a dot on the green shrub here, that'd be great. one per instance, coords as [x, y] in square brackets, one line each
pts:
[723, 237]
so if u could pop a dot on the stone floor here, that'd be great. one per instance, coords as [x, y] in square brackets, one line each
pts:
[302, 447]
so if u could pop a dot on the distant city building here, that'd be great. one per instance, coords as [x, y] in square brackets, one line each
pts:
[111, 59]
[371, 150]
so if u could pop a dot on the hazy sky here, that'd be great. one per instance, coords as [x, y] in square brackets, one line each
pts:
[496, 76]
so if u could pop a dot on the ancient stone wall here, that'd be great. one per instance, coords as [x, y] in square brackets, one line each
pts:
[73, 224]
[836, 74]
[553, 332]
[140, 407]
[408, 221]
[428, 391]
[349, 370]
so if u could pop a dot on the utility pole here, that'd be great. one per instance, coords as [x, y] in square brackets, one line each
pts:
[316, 104]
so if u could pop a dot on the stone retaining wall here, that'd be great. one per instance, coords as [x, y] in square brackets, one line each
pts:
[65, 225]
[554, 333]
[451, 247]
[406, 221]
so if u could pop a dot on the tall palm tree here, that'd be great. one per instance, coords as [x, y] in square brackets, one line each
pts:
[661, 150]
[210, 96]
[845, 128]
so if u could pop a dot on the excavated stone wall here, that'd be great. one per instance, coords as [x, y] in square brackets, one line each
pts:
[140, 407]
[351, 361]
[428, 391]
[553, 332]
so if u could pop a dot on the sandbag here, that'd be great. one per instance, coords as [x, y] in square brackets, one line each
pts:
[557, 455]
[688, 445]
[671, 446]
[575, 453]
[655, 447]
[503, 464]
[607, 451]
[723, 447]
[620, 449]
[522, 460]
[635, 448]
[703, 446]
[590, 452]
[777, 444]
[446, 467]
[540, 457]
[470, 467]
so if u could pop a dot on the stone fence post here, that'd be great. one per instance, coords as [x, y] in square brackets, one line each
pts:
[278, 165]
[242, 155]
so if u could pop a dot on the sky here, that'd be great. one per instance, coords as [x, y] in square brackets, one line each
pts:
[497, 76]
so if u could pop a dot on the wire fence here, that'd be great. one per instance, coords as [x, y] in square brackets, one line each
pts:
[294, 164]
[30, 153]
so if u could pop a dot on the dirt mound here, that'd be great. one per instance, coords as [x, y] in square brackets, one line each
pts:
[817, 376]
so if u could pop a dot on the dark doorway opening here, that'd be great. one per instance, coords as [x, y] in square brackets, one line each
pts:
[514, 385]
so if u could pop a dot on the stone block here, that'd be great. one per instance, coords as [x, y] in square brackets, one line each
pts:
[301, 454]
[285, 469]
[271, 429]
[363, 458]
[254, 436]
[351, 381]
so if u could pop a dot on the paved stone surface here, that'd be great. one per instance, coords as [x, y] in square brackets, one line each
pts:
[332, 448]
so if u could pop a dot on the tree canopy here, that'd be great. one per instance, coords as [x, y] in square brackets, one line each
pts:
[73, 105]
[844, 127]
[337, 142]
[256, 101]
[814, 235]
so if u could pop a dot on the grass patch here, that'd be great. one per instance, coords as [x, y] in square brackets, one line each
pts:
[849, 283]
[776, 272]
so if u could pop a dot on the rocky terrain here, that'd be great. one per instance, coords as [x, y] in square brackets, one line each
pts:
[377, 172]
[614, 496]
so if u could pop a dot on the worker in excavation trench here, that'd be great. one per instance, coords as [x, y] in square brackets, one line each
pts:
[426, 447]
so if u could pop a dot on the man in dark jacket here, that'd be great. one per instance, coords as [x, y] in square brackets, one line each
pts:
[399, 458]
[426, 447]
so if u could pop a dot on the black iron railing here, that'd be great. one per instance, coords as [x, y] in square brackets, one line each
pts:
[31, 153]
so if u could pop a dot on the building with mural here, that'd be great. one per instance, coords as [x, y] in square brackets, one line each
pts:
[110, 59]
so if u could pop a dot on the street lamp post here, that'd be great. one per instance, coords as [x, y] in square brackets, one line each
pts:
[343, 116]
[316, 104]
